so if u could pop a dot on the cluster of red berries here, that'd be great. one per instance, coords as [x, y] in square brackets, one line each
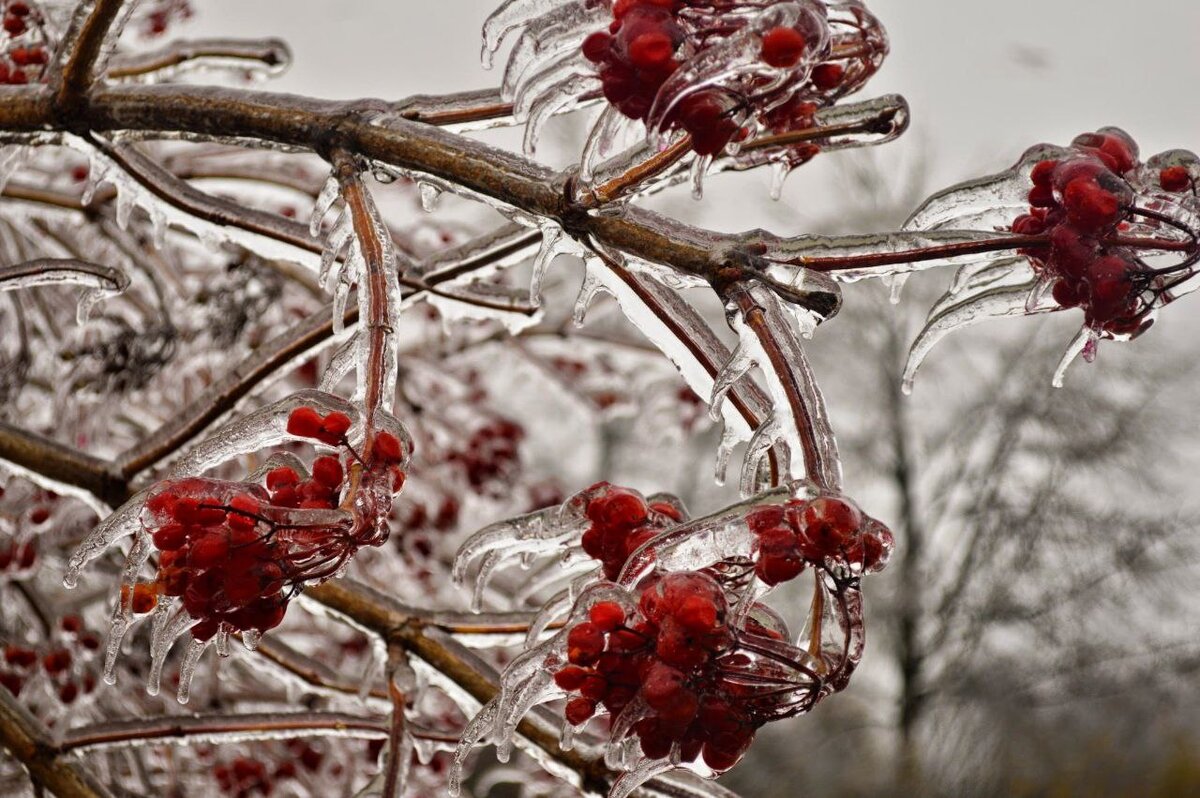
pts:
[825, 530]
[667, 657]
[243, 777]
[649, 41]
[22, 61]
[217, 555]
[234, 553]
[1078, 201]
[65, 666]
[490, 455]
[621, 520]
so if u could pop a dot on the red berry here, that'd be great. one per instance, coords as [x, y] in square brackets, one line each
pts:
[651, 50]
[1089, 205]
[57, 661]
[328, 471]
[1175, 178]
[571, 677]
[1043, 172]
[618, 507]
[825, 525]
[782, 47]
[585, 643]
[388, 448]
[170, 537]
[334, 428]
[595, 47]
[71, 624]
[827, 77]
[304, 422]
[579, 710]
[607, 615]
[282, 477]
[20, 656]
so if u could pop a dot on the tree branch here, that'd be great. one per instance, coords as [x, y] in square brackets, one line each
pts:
[28, 741]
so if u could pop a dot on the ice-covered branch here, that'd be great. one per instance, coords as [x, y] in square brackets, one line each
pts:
[506, 179]
[29, 742]
[271, 54]
[93, 26]
[220, 728]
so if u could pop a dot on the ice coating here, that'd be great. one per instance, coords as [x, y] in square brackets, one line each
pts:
[100, 281]
[971, 308]
[256, 58]
[720, 73]
[1098, 230]
[256, 431]
[801, 420]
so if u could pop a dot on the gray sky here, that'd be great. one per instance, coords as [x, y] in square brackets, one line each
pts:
[984, 79]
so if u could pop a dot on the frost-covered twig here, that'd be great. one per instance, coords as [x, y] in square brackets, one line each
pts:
[273, 54]
[215, 728]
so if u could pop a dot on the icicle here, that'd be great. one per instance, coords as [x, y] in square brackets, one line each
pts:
[729, 441]
[699, 166]
[341, 295]
[980, 306]
[738, 365]
[478, 730]
[335, 243]
[606, 129]
[895, 284]
[511, 15]
[166, 630]
[329, 194]
[647, 769]
[12, 158]
[339, 366]
[126, 521]
[126, 199]
[158, 227]
[430, 194]
[554, 243]
[187, 668]
[1084, 343]
[591, 287]
[769, 433]
[560, 95]
[779, 174]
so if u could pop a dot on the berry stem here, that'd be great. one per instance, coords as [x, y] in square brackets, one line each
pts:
[628, 181]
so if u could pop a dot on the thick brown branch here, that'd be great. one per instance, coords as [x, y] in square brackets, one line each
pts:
[314, 125]
[62, 464]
